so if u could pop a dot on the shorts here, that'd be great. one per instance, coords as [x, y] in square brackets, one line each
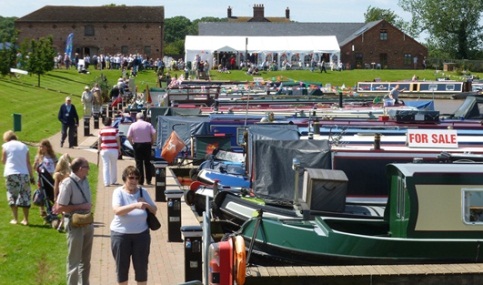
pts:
[18, 190]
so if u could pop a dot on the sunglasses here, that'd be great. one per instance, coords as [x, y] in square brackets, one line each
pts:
[133, 177]
[86, 167]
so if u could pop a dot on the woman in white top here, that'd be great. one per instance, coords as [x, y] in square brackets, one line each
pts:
[130, 237]
[17, 173]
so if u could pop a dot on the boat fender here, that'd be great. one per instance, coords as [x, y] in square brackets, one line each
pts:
[189, 196]
[240, 260]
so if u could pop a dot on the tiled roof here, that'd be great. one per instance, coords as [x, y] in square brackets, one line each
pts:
[122, 14]
[343, 31]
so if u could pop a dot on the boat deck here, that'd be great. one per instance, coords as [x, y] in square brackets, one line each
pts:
[365, 274]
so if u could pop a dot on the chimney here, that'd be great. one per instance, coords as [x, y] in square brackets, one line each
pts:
[229, 12]
[258, 12]
[287, 13]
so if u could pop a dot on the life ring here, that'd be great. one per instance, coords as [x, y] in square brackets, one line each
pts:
[240, 260]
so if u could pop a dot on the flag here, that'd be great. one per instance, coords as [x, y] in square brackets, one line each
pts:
[172, 147]
[68, 44]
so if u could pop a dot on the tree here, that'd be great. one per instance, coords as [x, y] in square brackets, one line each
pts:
[453, 24]
[177, 28]
[7, 28]
[8, 54]
[38, 56]
[376, 14]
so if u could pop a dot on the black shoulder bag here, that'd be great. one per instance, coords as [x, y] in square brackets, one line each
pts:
[152, 220]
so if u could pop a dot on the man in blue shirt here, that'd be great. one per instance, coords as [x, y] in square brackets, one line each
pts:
[70, 120]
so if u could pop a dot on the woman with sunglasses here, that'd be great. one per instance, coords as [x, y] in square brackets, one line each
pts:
[130, 237]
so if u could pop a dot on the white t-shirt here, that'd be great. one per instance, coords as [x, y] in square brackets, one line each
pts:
[133, 222]
[16, 162]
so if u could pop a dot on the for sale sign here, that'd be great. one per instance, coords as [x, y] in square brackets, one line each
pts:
[432, 138]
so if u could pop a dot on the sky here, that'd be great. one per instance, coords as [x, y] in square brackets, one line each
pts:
[300, 10]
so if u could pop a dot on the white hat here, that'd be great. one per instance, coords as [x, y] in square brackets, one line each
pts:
[86, 88]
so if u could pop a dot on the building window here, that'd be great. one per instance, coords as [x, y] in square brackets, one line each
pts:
[359, 60]
[383, 35]
[89, 31]
[472, 205]
[408, 59]
[147, 50]
[124, 50]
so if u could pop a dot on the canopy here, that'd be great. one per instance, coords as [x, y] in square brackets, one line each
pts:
[204, 46]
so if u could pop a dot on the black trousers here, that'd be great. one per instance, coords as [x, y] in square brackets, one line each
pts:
[71, 131]
[142, 156]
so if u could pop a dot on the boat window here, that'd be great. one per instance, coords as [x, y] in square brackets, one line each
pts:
[401, 202]
[240, 136]
[472, 199]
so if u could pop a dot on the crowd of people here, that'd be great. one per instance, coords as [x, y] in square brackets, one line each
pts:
[136, 61]
[72, 195]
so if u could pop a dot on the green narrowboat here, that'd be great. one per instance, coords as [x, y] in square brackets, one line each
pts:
[434, 214]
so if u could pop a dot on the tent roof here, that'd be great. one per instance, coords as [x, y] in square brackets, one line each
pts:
[319, 44]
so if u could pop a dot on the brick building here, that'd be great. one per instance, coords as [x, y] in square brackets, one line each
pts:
[381, 45]
[98, 30]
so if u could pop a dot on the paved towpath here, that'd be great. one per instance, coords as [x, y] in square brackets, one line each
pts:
[166, 261]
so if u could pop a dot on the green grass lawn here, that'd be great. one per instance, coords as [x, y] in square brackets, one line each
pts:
[36, 254]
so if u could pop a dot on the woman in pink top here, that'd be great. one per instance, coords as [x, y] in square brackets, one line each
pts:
[109, 146]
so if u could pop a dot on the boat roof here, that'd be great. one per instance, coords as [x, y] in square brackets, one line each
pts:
[410, 169]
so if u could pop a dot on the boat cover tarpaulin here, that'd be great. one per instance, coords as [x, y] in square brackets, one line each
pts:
[421, 105]
[283, 132]
[171, 111]
[470, 109]
[185, 126]
[274, 177]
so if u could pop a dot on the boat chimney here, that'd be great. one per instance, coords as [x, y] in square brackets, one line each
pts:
[377, 142]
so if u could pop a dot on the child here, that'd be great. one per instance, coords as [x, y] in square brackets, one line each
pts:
[62, 171]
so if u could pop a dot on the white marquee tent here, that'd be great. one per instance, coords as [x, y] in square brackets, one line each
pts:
[205, 46]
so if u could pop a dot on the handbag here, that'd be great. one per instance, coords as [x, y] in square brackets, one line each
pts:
[152, 220]
[78, 220]
[38, 198]
[81, 220]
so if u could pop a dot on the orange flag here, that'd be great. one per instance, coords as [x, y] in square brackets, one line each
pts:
[172, 147]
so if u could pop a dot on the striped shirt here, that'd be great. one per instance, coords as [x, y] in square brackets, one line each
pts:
[108, 137]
